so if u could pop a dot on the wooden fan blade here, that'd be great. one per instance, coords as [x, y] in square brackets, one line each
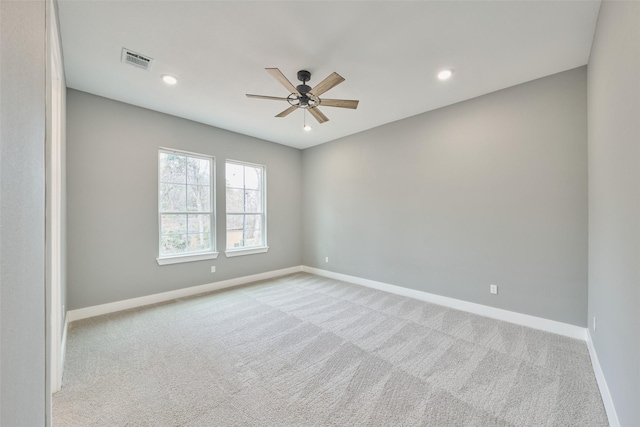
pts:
[287, 111]
[342, 103]
[275, 98]
[331, 81]
[317, 114]
[277, 74]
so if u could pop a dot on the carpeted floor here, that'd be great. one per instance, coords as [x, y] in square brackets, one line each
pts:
[303, 350]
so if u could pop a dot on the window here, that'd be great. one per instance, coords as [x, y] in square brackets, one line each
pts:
[246, 207]
[186, 202]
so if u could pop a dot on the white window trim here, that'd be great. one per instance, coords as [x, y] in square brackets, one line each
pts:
[246, 251]
[233, 252]
[186, 258]
[193, 256]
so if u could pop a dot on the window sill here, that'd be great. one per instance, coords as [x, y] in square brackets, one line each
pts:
[246, 251]
[186, 258]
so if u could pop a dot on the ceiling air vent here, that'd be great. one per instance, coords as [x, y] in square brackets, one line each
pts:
[132, 58]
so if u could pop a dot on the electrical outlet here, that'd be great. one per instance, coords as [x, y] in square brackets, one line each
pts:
[326, 259]
[594, 323]
[213, 268]
[493, 289]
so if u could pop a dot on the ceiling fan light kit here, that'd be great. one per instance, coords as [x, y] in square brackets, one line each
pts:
[306, 97]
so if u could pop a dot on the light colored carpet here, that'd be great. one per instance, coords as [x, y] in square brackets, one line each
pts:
[303, 350]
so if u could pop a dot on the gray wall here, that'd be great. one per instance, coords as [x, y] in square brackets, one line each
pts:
[112, 219]
[614, 202]
[22, 234]
[488, 191]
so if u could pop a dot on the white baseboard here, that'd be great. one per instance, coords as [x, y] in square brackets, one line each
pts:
[547, 325]
[552, 326]
[97, 310]
[602, 384]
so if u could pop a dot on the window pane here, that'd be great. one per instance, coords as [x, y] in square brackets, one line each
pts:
[173, 224]
[235, 222]
[198, 171]
[173, 168]
[172, 198]
[253, 201]
[199, 223]
[234, 239]
[198, 198]
[199, 242]
[173, 244]
[253, 178]
[234, 175]
[253, 222]
[235, 200]
[252, 238]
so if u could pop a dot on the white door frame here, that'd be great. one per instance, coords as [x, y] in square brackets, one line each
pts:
[54, 213]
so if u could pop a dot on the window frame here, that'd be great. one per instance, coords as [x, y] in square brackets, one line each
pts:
[212, 253]
[233, 252]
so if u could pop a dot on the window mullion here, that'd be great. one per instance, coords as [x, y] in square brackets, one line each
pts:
[244, 229]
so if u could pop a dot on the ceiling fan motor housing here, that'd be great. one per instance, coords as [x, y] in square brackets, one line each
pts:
[303, 89]
[303, 76]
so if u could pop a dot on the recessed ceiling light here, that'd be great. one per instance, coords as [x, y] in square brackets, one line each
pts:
[445, 74]
[169, 79]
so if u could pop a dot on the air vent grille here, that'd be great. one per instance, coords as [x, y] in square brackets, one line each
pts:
[137, 60]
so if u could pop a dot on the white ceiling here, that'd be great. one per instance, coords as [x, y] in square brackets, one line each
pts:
[388, 51]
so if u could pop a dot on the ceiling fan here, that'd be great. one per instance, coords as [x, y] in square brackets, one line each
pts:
[303, 96]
